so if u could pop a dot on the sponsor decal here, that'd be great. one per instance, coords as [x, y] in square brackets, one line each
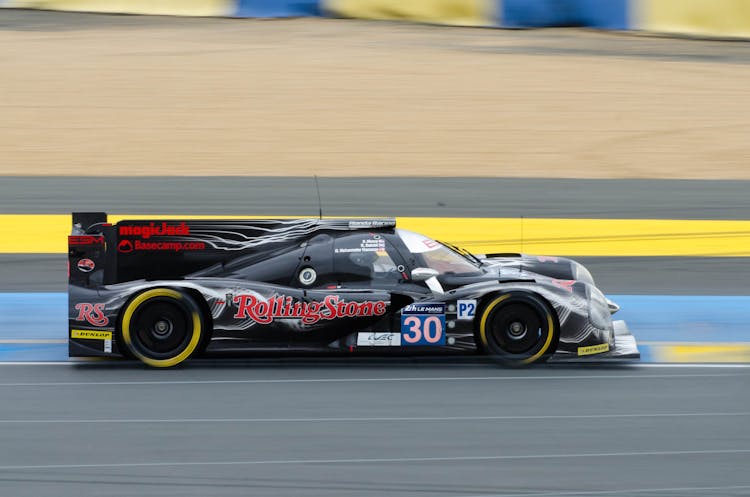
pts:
[92, 314]
[174, 246]
[430, 244]
[378, 339]
[437, 308]
[146, 231]
[423, 324]
[466, 309]
[545, 258]
[423, 329]
[416, 243]
[92, 335]
[593, 349]
[127, 246]
[282, 307]
[564, 284]
[86, 265]
[85, 240]
[372, 223]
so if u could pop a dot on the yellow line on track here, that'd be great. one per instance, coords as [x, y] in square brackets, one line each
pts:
[704, 352]
[33, 233]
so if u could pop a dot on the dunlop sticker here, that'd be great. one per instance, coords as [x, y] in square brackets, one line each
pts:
[91, 334]
[593, 349]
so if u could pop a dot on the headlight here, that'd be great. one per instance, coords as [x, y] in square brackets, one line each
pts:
[598, 308]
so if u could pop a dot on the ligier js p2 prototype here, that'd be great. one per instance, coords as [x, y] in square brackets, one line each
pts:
[164, 291]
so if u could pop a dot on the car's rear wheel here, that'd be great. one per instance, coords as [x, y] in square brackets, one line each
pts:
[162, 327]
[518, 328]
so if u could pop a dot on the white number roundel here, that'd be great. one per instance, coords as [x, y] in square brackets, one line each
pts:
[307, 276]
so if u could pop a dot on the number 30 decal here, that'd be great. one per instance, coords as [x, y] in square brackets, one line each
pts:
[423, 329]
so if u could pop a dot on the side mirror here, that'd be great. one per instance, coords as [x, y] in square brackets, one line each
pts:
[423, 273]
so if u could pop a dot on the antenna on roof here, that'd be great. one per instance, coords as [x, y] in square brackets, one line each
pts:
[320, 203]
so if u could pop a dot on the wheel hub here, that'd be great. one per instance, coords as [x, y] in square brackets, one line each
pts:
[516, 330]
[163, 328]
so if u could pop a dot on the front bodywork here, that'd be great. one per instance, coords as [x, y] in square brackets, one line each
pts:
[252, 279]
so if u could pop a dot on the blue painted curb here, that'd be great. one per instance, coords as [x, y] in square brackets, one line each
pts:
[41, 316]
[655, 320]
[686, 318]
[28, 352]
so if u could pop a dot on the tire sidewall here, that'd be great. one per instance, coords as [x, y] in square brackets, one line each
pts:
[194, 321]
[547, 344]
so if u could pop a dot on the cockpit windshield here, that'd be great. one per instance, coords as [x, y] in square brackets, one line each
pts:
[435, 255]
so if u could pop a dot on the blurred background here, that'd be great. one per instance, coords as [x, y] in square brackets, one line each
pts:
[617, 135]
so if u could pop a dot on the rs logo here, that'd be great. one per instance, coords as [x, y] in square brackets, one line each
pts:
[92, 314]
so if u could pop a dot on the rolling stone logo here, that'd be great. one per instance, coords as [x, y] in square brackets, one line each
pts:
[93, 314]
[280, 307]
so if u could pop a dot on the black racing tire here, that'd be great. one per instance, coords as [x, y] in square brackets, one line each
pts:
[162, 327]
[518, 329]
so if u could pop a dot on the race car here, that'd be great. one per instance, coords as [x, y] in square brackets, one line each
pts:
[163, 291]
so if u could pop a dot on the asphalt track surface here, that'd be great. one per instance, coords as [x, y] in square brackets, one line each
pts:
[407, 196]
[445, 197]
[408, 428]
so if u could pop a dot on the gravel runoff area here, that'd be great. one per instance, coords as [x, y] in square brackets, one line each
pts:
[85, 94]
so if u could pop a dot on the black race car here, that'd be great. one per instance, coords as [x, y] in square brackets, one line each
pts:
[163, 291]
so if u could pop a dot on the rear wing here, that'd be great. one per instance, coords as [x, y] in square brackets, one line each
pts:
[102, 253]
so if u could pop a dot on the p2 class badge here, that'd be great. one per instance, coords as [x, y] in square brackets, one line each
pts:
[466, 309]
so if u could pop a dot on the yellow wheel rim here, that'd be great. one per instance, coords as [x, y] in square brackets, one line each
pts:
[126, 332]
[483, 330]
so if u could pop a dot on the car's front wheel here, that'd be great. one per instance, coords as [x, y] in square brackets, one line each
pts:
[518, 328]
[162, 327]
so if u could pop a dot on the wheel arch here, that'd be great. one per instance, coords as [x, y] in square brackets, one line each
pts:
[206, 319]
[488, 298]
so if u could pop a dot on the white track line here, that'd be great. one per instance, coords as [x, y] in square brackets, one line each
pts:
[616, 492]
[647, 365]
[374, 419]
[79, 361]
[661, 453]
[117, 362]
[36, 363]
[367, 380]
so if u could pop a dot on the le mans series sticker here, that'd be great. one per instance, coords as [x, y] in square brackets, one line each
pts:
[423, 324]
